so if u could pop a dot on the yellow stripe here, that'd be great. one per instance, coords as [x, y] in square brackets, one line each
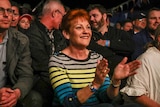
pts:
[82, 71]
[57, 78]
[60, 82]
[81, 75]
[81, 80]
[56, 69]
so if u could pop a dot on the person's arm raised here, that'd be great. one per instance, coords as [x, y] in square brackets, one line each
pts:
[121, 71]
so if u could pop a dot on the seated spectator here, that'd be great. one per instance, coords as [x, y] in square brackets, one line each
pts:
[118, 25]
[79, 76]
[113, 44]
[143, 87]
[127, 25]
[24, 22]
[147, 35]
[16, 73]
[139, 21]
[16, 14]
[25, 9]
[45, 39]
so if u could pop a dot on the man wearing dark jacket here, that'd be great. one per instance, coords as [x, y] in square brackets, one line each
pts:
[16, 74]
[45, 40]
[112, 43]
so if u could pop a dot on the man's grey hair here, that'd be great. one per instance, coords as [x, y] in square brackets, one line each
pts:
[49, 5]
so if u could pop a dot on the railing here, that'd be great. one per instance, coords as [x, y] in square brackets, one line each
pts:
[126, 5]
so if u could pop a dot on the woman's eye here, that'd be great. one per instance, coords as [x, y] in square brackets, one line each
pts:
[89, 27]
[79, 27]
[22, 22]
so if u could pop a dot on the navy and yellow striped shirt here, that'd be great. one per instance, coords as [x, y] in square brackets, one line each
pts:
[68, 75]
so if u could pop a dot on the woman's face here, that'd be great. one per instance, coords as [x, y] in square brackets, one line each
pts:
[80, 33]
[24, 23]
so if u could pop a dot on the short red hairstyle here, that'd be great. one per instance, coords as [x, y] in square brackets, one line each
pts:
[72, 16]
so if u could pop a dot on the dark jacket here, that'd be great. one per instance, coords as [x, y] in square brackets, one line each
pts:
[140, 39]
[18, 62]
[40, 45]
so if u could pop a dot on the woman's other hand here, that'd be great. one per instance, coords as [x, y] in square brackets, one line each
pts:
[124, 69]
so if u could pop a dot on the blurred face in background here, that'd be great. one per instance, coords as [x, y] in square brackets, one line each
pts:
[127, 26]
[16, 15]
[118, 25]
[24, 23]
[140, 23]
[153, 20]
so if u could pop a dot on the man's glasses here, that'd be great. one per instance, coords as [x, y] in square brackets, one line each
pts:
[3, 10]
[60, 12]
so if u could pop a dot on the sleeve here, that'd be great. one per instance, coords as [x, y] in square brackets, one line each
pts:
[122, 43]
[40, 49]
[103, 50]
[61, 85]
[102, 94]
[23, 69]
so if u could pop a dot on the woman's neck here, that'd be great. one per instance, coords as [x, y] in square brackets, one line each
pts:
[75, 53]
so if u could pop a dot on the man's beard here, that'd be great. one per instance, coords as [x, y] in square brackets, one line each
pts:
[151, 31]
[99, 25]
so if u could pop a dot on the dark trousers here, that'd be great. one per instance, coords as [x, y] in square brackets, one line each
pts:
[33, 99]
[46, 91]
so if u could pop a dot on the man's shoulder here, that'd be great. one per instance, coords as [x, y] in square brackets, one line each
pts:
[34, 25]
[36, 28]
[14, 33]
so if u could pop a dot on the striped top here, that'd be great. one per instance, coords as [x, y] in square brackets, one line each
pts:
[68, 75]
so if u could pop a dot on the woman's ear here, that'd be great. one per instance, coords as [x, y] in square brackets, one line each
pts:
[65, 34]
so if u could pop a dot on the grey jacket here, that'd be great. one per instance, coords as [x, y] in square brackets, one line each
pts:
[18, 62]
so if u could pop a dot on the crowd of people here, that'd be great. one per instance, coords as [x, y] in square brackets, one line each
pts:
[74, 57]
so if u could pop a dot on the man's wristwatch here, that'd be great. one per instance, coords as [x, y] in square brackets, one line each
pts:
[92, 88]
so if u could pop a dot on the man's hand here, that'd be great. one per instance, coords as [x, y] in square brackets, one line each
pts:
[101, 42]
[9, 97]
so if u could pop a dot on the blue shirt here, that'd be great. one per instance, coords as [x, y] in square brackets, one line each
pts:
[3, 60]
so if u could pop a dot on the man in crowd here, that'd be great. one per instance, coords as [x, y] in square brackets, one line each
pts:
[112, 43]
[147, 35]
[16, 14]
[45, 40]
[138, 33]
[16, 74]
